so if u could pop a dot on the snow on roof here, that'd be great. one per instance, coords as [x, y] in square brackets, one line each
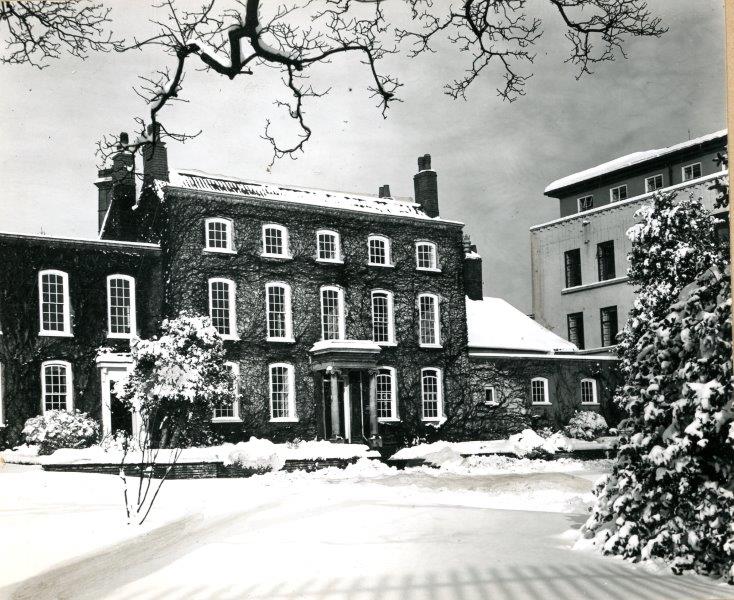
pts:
[495, 323]
[345, 346]
[628, 160]
[365, 203]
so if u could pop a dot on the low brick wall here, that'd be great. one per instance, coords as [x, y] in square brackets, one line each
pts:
[197, 470]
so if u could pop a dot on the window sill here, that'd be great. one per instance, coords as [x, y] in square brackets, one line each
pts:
[388, 420]
[230, 338]
[288, 340]
[387, 344]
[326, 261]
[541, 404]
[277, 256]
[284, 420]
[432, 419]
[386, 266]
[219, 251]
[428, 269]
[589, 404]
[494, 403]
[121, 336]
[431, 346]
[55, 334]
[226, 420]
[596, 284]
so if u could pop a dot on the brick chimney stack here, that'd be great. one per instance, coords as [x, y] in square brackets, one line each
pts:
[384, 191]
[473, 284]
[155, 158]
[425, 183]
[116, 197]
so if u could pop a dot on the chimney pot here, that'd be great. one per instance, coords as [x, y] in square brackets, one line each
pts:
[384, 191]
[424, 162]
[124, 140]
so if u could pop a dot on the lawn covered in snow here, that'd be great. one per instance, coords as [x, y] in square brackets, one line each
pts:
[480, 527]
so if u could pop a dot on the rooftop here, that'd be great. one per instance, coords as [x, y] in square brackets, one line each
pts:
[629, 160]
[364, 203]
[495, 323]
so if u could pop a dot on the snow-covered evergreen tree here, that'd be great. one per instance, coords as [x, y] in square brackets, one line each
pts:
[670, 492]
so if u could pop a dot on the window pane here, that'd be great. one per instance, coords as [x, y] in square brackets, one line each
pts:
[380, 317]
[56, 391]
[330, 315]
[430, 393]
[586, 203]
[576, 329]
[328, 248]
[274, 241]
[426, 256]
[489, 395]
[52, 302]
[120, 305]
[427, 319]
[220, 308]
[608, 326]
[218, 235]
[605, 260]
[384, 394]
[378, 251]
[572, 261]
[279, 392]
[587, 392]
[538, 392]
[277, 314]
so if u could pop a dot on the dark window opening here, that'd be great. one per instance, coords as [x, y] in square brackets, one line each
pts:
[605, 260]
[572, 260]
[609, 326]
[576, 329]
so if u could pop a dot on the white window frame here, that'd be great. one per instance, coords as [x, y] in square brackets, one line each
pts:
[67, 309]
[592, 381]
[291, 418]
[619, 187]
[388, 251]
[648, 189]
[683, 171]
[494, 401]
[69, 384]
[393, 418]
[439, 408]
[434, 253]
[288, 337]
[229, 249]
[337, 241]
[340, 304]
[133, 308]
[232, 291]
[390, 317]
[544, 381]
[436, 323]
[235, 418]
[286, 242]
[578, 203]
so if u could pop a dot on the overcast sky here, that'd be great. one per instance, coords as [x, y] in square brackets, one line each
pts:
[493, 158]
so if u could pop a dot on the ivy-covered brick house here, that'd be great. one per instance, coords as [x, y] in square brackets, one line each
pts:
[344, 315]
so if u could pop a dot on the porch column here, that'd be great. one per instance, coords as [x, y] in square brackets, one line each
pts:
[335, 416]
[374, 429]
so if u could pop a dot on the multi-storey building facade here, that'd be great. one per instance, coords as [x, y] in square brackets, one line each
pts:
[344, 316]
[579, 261]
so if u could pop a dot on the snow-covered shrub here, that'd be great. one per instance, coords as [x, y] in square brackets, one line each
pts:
[61, 429]
[178, 379]
[669, 494]
[530, 445]
[586, 425]
[259, 456]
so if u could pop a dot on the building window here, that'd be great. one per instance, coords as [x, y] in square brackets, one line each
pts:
[691, 172]
[230, 410]
[382, 317]
[218, 234]
[608, 326]
[588, 391]
[275, 241]
[539, 390]
[386, 396]
[332, 313]
[328, 246]
[490, 396]
[576, 329]
[618, 193]
[605, 260]
[56, 386]
[120, 306]
[428, 320]
[653, 183]
[378, 247]
[278, 312]
[586, 203]
[572, 264]
[431, 394]
[222, 309]
[282, 393]
[53, 291]
[426, 257]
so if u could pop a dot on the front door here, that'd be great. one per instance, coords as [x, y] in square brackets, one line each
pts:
[115, 416]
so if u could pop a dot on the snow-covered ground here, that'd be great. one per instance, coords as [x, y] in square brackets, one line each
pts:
[484, 527]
